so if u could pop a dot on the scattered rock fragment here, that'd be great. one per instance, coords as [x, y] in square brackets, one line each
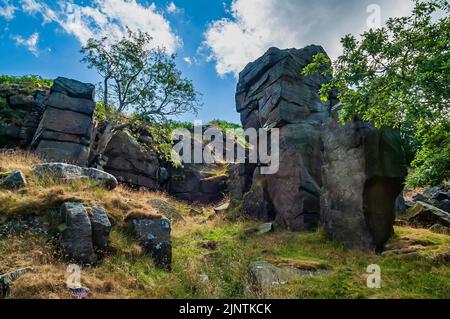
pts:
[210, 245]
[101, 227]
[260, 230]
[222, 208]
[67, 172]
[154, 234]
[7, 279]
[425, 216]
[166, 209]
[14, 180]
[265, 275]
[76, 238]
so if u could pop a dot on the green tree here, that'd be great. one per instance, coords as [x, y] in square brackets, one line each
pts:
[399, 76]
[139, 84]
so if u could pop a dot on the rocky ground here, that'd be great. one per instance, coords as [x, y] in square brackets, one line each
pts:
[216, 253]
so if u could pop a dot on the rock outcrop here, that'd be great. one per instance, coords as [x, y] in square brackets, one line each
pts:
[425, 216]
[347, 177]
[165, 209]
[21, 109]
[363, 175]
[65, 132]
[101, 227]
[272, 93]
[67, 172]
[194, 183]
[130, 164]
[154, 235]
[7, 279]
[76, 238]
[13, 180]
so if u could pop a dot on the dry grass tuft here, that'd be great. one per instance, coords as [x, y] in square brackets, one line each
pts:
[12, 159]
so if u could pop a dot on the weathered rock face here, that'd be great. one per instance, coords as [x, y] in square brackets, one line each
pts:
[66, 129]
[425, 215]
[101, 227]
[363, 174]
[257, 204]
[154, 234]
[7, 279]
[68, 172]
[240, 178]
[76, 239]
[21, 110]
[129, 163]
[438, 196]
[193, 184]
[166, 209]
[272, 93]
[13, 180]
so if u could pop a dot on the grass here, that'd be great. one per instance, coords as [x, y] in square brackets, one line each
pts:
[126, 273]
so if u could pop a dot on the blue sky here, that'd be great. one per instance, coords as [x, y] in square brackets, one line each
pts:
[213, 39]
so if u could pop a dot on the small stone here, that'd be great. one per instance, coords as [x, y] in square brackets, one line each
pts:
[67, 172]
[166, 209]
[14, 180]
[265, 228]
[222, 208]
[101, 227]
[203, 278]
[7, 279]
[210, 245]
[80, 292]
[154, 234]
[76, 238]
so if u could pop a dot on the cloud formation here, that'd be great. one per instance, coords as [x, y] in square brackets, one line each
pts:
[106, 17]
[173, 9]
[30, 43]
[7, 9]
[257, 25]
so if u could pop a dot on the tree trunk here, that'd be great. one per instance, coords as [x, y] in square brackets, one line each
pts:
[105, 94]
[104, 140]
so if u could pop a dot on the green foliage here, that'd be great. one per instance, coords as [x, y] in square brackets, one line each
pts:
[29, 80]
[224, 125]
[9, 115]
[138, 79]
[104, 113]
[399, 76]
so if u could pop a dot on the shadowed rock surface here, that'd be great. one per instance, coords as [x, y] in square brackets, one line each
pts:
[26, 106]
[154, 235]
[101, 227]
[13, 180]
[127, 161]
[76, 239]
[272, 93]
[363, 175]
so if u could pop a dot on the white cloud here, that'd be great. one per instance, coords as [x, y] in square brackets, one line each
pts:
[107, 17]
[257, 25]
[30, 43]
[188, 60]
[7, 10]
[173, 9]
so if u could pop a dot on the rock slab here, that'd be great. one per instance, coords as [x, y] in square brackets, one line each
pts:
[76, 238]
[66, 129]
[67, 172]
[363, 174]
[154, 234]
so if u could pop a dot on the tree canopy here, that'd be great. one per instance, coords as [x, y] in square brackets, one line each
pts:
[140, 83]
[399, 76]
